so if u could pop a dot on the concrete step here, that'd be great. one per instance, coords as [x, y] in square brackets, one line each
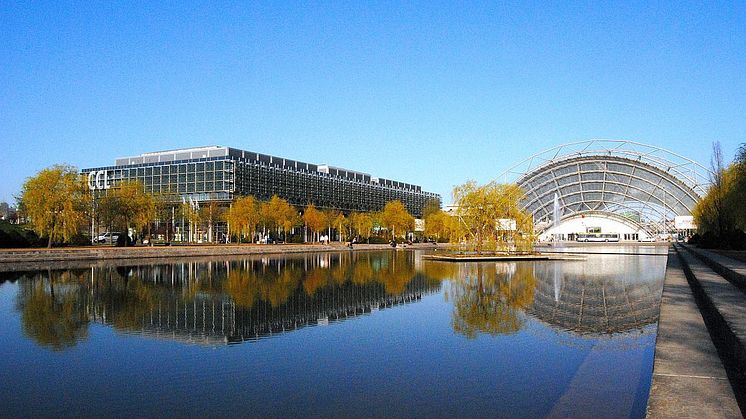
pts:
[730, 269]
[689, 380]
[725, 305]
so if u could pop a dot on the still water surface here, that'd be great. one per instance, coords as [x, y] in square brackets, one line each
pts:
[332, 334]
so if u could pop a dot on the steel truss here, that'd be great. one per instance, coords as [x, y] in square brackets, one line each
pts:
[614, 177]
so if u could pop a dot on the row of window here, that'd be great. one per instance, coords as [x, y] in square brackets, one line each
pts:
[324, 191]
[184, 168]
[155, 186]
[300, 188]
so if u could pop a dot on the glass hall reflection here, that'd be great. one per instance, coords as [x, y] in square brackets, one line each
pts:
[602, 296]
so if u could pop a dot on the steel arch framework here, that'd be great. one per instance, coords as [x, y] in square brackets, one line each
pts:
[610, 178]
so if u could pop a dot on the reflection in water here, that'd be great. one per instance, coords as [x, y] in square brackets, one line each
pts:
[212, 302]
[603, 295]
[529, 339]
[491, 297]
[52, 311]
[238, 300]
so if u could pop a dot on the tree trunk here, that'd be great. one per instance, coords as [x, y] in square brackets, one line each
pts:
[51, 283]
[49, 242]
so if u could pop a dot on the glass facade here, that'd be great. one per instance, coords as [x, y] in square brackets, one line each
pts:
[221, 173]
[606, 183]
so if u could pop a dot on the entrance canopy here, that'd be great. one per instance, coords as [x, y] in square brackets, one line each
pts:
[642, 183]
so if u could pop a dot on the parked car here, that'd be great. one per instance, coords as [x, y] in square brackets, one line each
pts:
[107, 238]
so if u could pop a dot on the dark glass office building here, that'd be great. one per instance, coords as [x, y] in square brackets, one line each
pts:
[219, 174]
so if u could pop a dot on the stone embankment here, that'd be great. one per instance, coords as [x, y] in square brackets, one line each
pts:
[22, 259]
[699, 357]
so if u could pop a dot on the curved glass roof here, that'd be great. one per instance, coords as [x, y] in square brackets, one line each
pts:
[610, 176]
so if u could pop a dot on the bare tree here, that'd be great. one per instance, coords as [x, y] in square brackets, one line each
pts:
[719, 209]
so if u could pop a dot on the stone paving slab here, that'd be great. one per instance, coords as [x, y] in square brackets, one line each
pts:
[689, 380]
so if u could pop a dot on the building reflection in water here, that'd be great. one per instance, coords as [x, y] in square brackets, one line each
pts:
[230, 301]
[215, 302]
[604, 295]
[607, 294]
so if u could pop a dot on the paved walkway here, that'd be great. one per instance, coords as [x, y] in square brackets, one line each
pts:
[689, 380]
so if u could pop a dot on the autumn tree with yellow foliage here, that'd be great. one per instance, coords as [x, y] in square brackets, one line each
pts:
[361, 223]
[55, 202]
[720, 215]
[440, 225]
[278, 215]
[396, 218]
[243, 217]
[484, 216]
[314, 219]
[340, 223]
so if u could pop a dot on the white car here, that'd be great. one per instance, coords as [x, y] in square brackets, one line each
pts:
[107, 238]
[646, 239]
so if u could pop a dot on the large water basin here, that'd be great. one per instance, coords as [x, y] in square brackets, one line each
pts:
[349, 334]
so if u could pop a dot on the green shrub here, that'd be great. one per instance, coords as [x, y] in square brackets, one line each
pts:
[735, 240]
[12, 235]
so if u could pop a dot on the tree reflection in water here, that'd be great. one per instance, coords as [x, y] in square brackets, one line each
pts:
[242, 299]
[491, 298]
[52, 309]
[217, 301]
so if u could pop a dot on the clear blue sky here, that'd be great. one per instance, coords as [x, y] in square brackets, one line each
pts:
[427, 93]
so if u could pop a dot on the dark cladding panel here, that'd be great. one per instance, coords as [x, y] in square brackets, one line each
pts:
[239, 154]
